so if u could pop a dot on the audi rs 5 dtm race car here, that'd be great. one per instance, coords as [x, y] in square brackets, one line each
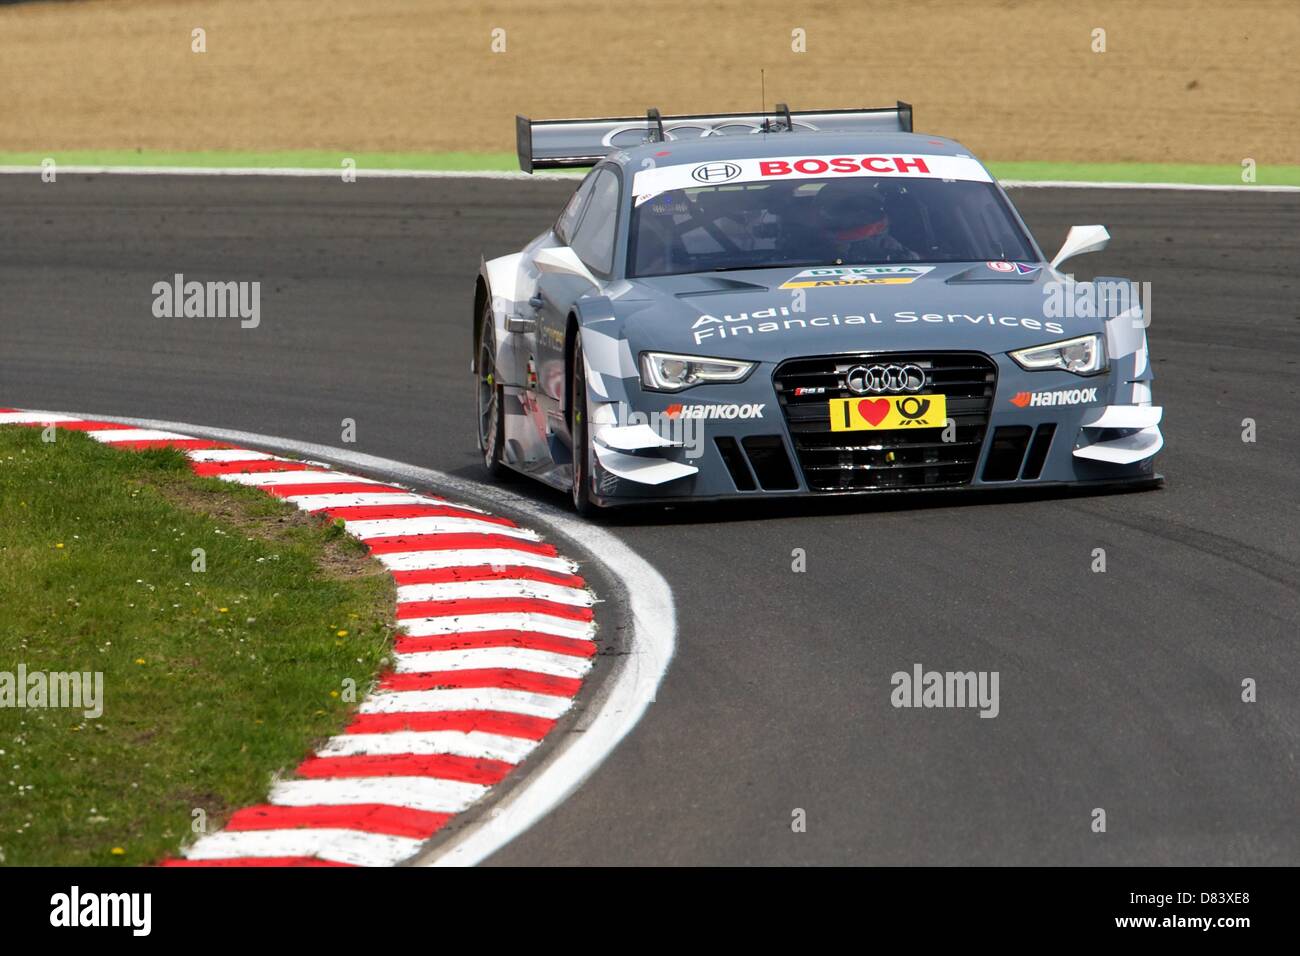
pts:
[810, 304]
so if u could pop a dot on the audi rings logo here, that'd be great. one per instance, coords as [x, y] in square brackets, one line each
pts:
[874, 379]
[629, 135]
[715, 172]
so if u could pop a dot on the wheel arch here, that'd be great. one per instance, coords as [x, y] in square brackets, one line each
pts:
[480, 300]
[571, 335]
[503, 286]
[609, 361]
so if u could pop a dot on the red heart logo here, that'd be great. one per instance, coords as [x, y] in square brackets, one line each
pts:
[874, 410]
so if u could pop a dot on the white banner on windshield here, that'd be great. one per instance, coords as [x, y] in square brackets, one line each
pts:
[649, 183]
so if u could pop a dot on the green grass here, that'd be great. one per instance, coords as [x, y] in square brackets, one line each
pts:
[213, 681]
[1224, 175]
[1146, 173]
[296, 159]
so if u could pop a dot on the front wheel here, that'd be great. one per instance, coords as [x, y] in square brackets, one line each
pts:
[582, 454]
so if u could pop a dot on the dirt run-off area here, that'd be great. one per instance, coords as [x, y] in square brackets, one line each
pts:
[1193, 81]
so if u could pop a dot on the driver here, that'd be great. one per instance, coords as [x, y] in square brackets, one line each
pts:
[854, 225]
[657, 248]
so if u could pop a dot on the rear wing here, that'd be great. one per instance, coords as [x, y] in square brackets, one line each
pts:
[548, 144]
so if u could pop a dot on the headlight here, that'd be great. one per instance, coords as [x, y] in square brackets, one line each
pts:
[665, 372]
[1085, 355]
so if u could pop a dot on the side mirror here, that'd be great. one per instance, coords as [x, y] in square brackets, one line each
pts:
[561, 260]
[1081, 239]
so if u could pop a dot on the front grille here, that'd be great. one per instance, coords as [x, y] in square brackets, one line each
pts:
[887, 460]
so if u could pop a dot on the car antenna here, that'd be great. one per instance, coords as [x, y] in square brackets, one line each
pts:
[762, 95]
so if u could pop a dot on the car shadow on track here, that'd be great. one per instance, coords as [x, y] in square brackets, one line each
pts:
[830, 505]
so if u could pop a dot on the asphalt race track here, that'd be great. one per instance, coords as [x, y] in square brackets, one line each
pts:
[1118, 690]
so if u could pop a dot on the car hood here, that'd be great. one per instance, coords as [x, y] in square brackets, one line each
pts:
[772, 314]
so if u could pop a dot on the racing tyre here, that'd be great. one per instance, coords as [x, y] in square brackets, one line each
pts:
[582, 454]
[491, 419]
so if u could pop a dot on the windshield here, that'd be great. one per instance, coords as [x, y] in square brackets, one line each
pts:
[861, 220]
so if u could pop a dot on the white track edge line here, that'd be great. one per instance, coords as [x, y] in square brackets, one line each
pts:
[366, 173]
[621, 699]
[300, 172]
[1192, 187]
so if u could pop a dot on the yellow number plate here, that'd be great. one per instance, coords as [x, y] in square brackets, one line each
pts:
[888, 412]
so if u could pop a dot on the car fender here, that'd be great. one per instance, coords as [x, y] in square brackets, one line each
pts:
[507, 282]
[610, 365]
[1126, 345]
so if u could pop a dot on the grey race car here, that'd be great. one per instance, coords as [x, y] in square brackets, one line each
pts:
[809, 304]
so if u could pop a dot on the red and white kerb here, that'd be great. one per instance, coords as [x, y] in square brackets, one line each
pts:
[497, 637]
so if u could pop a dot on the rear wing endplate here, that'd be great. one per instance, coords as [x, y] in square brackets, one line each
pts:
[575, 143]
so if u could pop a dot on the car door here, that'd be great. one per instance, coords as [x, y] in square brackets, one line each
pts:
[592, 239]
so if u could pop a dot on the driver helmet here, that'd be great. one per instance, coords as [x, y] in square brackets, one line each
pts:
[851, 211]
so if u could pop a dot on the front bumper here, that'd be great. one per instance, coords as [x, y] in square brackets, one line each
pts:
[1016, 430]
